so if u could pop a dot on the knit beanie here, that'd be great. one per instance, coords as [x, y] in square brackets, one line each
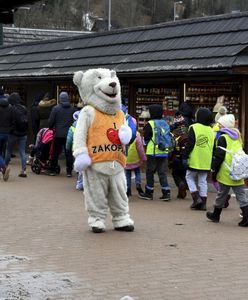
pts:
[63, 97]
[227, 121]
[221, 112]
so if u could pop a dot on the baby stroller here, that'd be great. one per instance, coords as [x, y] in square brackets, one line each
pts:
[42, 152]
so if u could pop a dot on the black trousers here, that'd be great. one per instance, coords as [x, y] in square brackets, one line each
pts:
[156, 164]
[59, 145]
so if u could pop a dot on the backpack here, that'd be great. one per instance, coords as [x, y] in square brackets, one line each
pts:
[163, 140]
[239, 165]
[21, 118]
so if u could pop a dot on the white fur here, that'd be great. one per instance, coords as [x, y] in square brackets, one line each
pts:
[100, 89]
[82, 162]
[125, 134]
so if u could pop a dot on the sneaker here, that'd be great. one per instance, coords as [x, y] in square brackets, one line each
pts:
[166, 196]
[139, 189]
[146, 196]
[22, 174]
[68, 174]
[30, 160]
[6, 173]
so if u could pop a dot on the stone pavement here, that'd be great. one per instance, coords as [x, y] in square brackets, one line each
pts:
[47, 251]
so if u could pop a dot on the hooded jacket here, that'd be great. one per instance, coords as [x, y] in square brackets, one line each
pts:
[7, 116]
[219, 154]
[61, 118]
[156, 113]
[15, 100]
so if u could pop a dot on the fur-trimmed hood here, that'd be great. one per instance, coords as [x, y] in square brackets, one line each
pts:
[47, 103]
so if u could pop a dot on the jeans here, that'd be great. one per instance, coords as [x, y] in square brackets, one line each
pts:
[156, 164]
[3, 143]
[129, 177]
[2, 163]
[21, 142]
[197, 180]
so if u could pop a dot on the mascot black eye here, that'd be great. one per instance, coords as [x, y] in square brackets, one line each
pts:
[99, 77]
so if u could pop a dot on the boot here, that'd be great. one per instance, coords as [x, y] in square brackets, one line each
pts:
[244, 221]
[165, 195]
[148, 194]
[139, 188]
[182, 191]
[197, 202]
[203, 204]
[129, 192]
[215, 215]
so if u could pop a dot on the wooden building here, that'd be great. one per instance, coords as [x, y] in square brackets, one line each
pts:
[198, 59]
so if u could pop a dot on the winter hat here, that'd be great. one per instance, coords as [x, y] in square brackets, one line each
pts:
[221, 112]
[63, 97]
[227, 121]
[75, 115]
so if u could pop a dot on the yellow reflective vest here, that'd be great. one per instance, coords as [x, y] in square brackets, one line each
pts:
[200, 157]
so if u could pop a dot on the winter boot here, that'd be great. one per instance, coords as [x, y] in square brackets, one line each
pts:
[139, 188]
[197, 202]
[129, 192]
[244, 221]
[215, 215]
[166, 195]
[147, 195]
[203, 204]
[182, 191]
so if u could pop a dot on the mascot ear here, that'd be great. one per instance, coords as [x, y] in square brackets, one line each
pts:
[77, 77]
[112, 73]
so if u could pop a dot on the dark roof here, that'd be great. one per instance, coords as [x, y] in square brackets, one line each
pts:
[204, 44]
[16, 35]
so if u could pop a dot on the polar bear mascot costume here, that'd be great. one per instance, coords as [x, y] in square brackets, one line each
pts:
[99, 149]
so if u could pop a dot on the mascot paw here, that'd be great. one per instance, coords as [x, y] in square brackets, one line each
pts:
[96, 225]
[127, 228]
[82, 162]
[125, 134]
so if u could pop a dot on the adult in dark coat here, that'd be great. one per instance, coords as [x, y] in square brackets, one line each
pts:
[6, 126]
[61, 118]
[18, 135]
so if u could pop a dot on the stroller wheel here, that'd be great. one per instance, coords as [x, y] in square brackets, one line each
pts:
[36, 169]
[57, 170]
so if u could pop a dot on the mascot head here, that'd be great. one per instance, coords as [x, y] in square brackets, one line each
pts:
[99, 88]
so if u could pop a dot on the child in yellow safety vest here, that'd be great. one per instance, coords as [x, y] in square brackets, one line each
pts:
[136, 157]
[228, 142]
[69, 145]
[197, 157]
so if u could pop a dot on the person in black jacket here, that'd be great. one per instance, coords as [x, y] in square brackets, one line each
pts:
[60, 120]
[18, 134]
[6, 125]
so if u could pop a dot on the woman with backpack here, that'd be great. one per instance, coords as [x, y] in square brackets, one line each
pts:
[229, 140]
[18, 134]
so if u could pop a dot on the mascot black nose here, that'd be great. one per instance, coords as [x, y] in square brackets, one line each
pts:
[112, 84]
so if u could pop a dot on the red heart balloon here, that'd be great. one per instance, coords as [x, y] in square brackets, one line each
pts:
[112, 135]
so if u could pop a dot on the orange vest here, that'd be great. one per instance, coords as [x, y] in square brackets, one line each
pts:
[103, 141]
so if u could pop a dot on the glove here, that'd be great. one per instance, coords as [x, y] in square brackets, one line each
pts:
[185, 163]
[125, 134]
[215, 183]
[82, 162]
